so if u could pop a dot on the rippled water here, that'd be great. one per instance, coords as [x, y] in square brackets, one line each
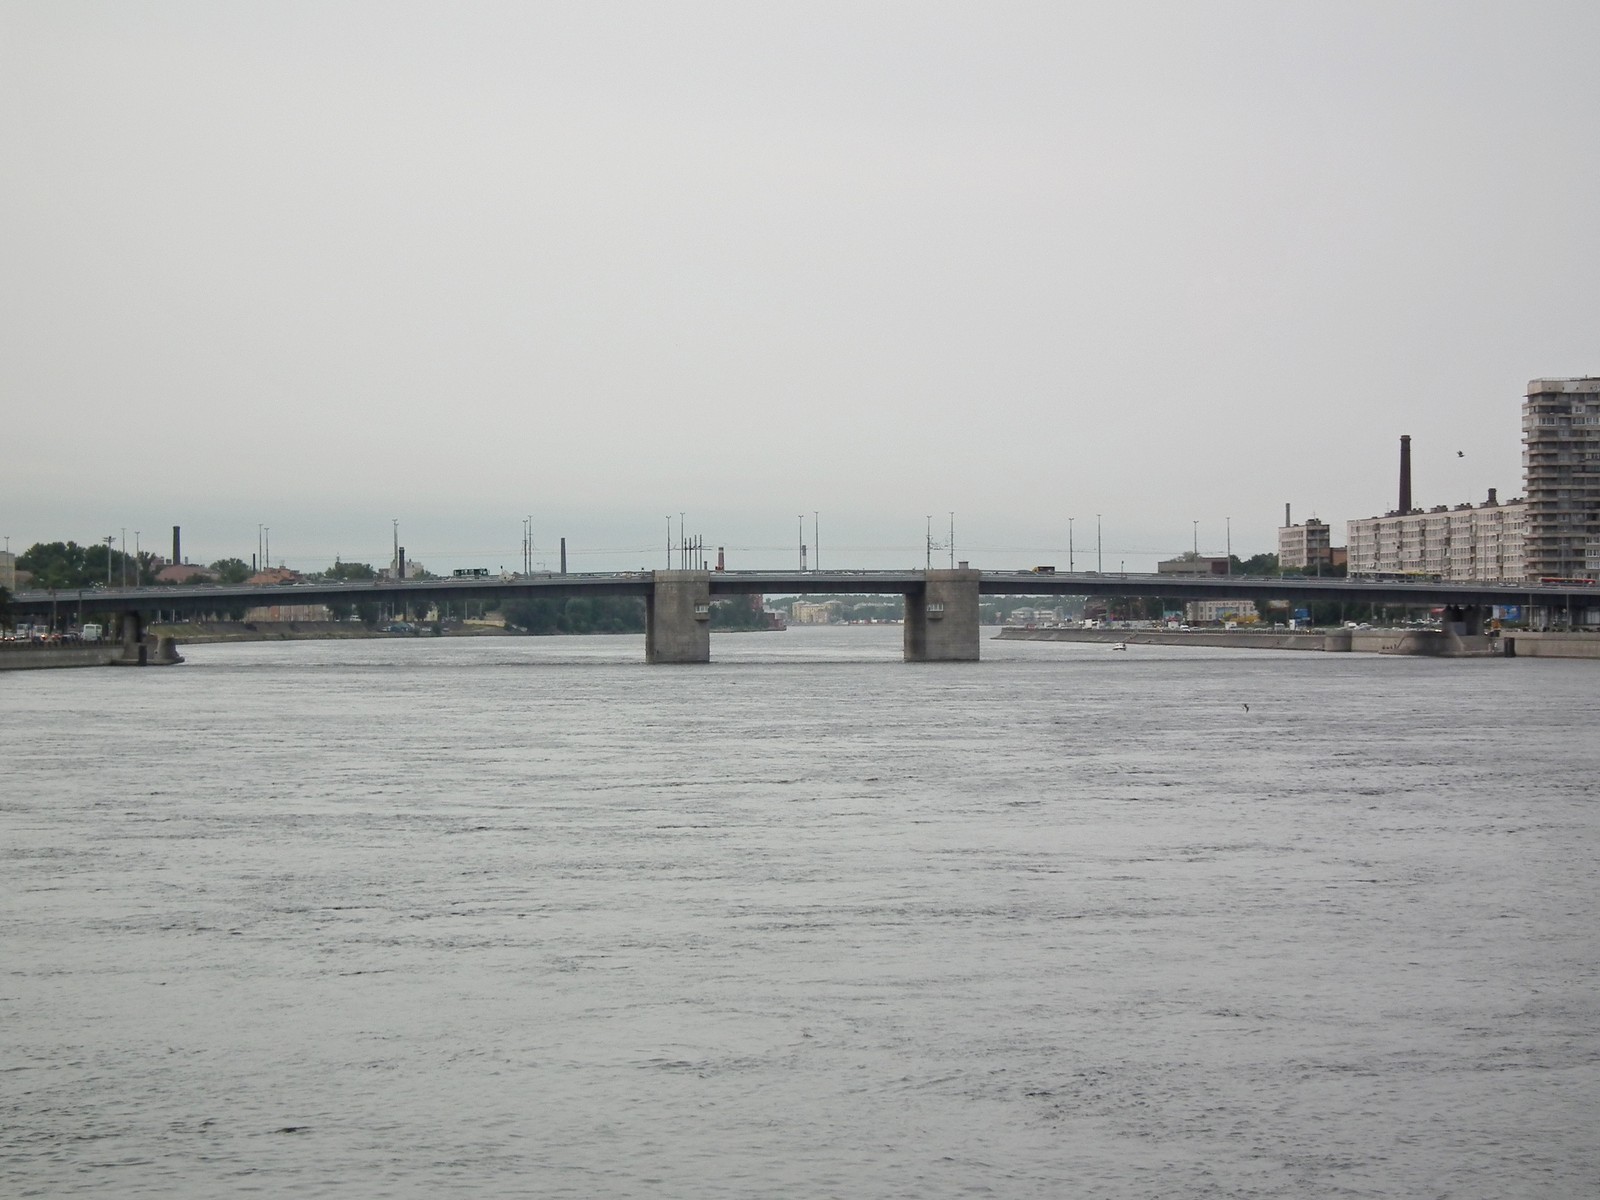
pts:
[527, 917]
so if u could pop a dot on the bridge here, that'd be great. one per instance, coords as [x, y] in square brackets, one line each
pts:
[941, 615]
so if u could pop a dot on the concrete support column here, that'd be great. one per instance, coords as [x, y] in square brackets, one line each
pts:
[133, 648]
[942, 620]
[677, 623]
[1463, 620]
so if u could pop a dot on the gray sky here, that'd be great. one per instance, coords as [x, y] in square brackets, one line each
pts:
[321, 265]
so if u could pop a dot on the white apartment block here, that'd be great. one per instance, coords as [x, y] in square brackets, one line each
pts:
[1303, 547]
[1481, 543]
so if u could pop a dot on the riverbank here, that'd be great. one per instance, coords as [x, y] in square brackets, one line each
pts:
[1425, 642]
[201, 633]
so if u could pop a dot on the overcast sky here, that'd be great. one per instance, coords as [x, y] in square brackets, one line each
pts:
[323, 265]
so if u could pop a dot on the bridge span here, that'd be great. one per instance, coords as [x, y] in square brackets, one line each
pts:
[941, 623]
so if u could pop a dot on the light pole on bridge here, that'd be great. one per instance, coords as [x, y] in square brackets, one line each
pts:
[1099, 563]
[1069, 545]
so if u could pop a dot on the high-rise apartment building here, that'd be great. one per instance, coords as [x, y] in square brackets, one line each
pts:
[1561, 467]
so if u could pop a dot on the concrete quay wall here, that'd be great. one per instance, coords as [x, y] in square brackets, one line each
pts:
[37, 658]
[1360, 641]
[1552, 645]
[1239, 639]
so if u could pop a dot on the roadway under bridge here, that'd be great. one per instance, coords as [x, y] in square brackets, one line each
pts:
[941, 622]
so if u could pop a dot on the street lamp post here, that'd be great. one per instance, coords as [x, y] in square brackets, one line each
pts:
[1069, 545]
[1197, 539]
[800, 519]
[1229, 521]
[1099, 563]
[816, 541]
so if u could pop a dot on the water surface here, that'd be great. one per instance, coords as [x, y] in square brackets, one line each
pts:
[528, 917]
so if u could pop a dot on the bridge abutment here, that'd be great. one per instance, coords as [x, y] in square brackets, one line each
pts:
[677, 624]
[942, 620]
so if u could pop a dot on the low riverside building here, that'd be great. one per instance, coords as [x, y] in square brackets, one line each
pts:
[1206, 612]
[185, 573]
[1193, 564]
[805, 612]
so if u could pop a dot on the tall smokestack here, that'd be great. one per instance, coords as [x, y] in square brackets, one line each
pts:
[1405, 472]
[563, 556]
[1286, 521]
[177, 556]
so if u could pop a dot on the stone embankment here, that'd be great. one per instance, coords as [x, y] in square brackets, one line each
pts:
[1368, 641]
[153, 652]
[203, 632]
[1426, 642]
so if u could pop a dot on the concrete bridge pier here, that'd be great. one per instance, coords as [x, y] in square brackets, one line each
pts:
[1463, 620]
[133, 647]
[677, 622]
[942, 619]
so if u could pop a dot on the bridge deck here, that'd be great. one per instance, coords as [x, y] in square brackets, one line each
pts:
[641, 583]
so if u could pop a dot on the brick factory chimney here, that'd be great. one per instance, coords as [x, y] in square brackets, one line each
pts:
[176, 556]
[1405, 472]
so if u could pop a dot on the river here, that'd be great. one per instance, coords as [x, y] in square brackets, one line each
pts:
[527, 917]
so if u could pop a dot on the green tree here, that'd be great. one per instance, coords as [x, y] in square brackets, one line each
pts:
[231, 570]
[739, 612]
[64, 566]
[350, 571]
[578, 614]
